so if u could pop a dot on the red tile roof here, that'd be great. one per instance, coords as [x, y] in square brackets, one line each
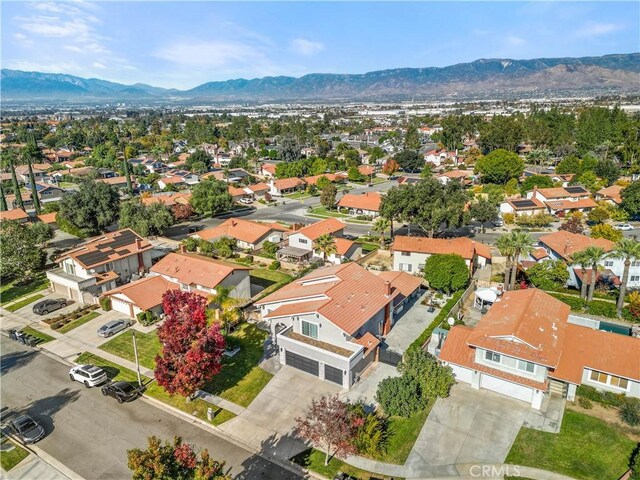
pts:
[364, 201]
[328, 226]
[566, 243]
[343, 245]
[465, 247]
[244, 230]
[192, 269]
[259, 187]
[147, 292]
[105, 245]
[48, 217]
[538, 204]
[14, 214]
[539, 253]
[613, 192]
[366, 170]
[288, 183]
[571, 204]
[368, 341]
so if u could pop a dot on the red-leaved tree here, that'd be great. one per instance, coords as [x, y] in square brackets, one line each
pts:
[181, 212]
[191, 350]
[329, 425]
[390, 167]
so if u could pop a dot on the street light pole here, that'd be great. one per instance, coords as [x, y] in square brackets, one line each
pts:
[135, 352]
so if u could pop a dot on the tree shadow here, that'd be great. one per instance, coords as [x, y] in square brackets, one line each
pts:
[258, 466]
[15, 360]
[43, 410]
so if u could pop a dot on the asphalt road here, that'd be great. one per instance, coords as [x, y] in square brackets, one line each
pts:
[90, 433]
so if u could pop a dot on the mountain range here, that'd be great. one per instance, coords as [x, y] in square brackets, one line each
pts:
[484, 78]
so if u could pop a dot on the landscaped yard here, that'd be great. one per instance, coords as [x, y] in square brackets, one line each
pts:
[586, 448]
[403, 433]
[44, 338]
[323, 212]
[80, 321]
[122, 346]
[298, 195]
[67, 185]
[11, 291]
[10, 459]
[23, 303]
[195, 407]
[270, 280]
[313, 460]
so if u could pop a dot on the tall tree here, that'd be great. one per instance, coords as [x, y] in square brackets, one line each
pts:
[173, 461]
[628, 250]
[145, 220]
[127, 173]
[20, 252]
[595, 255]
[483, 211]
[16, 185]
[211, 196]
[3, 199]
[328, 196]
[328, 424]
[499, 166]
[412, 138]
[410, 161]
[34, 189]
[631, 199]
[326, 245]
[506, 248]
[191, 350]
[92, 208]
[521, 242]
[582, 259]
[381, 225]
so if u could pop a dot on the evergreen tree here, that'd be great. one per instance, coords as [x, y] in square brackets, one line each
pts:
[16, 186]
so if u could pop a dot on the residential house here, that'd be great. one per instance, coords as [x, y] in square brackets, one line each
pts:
[119, 182]
[97, 265]
[528, 346]
[15, 214]
[464, 177]
[47, 192]
[284, 186]
[249, 235]
[177, 182]
[367, 170]
[561, 201]
[22, 174]
[168, 198]
[106, 173]
[237, 193]
[188, 177]
[523, 206]
[562, 245]
[411, 253]
[268, 170]
[408, 180]
[611, 195]
[367, 203]
[50, 219]
[301, 248]
[257, 189]
[150, 164]
[329, 322]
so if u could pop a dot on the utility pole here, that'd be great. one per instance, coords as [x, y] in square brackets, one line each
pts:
[135, 352]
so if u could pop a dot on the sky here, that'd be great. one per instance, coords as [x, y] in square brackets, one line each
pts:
[184, 44]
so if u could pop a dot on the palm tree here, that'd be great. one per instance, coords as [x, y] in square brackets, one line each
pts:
[628, 250]
[595, 255]
[381, 225]
[325, 244]
[521, 242]
[582, 259]
[506, 248]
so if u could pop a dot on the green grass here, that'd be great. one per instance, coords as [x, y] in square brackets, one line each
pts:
[44, 338]
[8, 460]
[67, 185]
[313, 460]
[23, 303]
[197, 407]
[270, 280]
[79, 321]
[241, 379]
[122, 346]
[323, 212]
[368, 247]
[403, 433]
[586, 448]
[298, 195]
[10, 291]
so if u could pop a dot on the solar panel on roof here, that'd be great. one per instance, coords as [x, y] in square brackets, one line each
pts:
[575, 189]
[92, 258]
[523, 203]
[124, 251]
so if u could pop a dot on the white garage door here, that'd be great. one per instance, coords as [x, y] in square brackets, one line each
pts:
[462, 374]
[506, 388]
[120, 306]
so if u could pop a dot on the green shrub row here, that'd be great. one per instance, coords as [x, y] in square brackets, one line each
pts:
[595, 307]
[147, 318]
[609, 399]
[441, 317]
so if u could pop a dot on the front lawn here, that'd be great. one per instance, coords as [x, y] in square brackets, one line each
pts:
[323, 212]
[10, 459]
[76, 323]
[586, 448]
[403, 433]
[122, 346]
[11, 290]
[298, 195]
[313, 460]
[197, 407]
[44, 338]
[23, 303]
[241, 379]
[270, 280]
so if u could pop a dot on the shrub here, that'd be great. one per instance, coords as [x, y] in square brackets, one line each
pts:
[630, 411]
[68, 227]
[585, 403]
[105, 303]
[371, 436]
[147, 318]
[441, 317]
[631, 313]
[446, 272]
[604, 309]
[400, 396]
[275, 265]
[537, 220]
[634, 463]
[509, 218]
[608, 399]
[269, 249]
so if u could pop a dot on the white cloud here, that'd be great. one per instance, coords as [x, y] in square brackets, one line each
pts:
[515, 41]
[98, 65]
[303, 46]
[593, 29]
[212, 54]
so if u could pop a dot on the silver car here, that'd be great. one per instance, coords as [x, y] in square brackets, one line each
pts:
[113, 327]
[27, 429]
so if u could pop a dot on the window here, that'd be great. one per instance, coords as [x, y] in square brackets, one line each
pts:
[405, 267]
[303, 240]
[421, 266]
[492, 356]
[635, 263]
[310, 329]
[598, 377]
[70, 268]
[619, 382]
[608, 263]
[634, 278]
[526, 366]
[405, 254]
[607, 379]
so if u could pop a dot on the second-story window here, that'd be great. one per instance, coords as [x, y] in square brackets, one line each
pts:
[310, 329]
[492, 356]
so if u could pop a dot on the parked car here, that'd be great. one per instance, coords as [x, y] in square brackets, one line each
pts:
[623, 226]
[48, 306]
[498, 222]
[27, 429]
[195, 228]
[90, 375]
[121, 391]
[113, 327]
[246, 201]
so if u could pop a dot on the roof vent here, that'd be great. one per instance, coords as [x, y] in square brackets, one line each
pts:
[541, 329]
[553, 326]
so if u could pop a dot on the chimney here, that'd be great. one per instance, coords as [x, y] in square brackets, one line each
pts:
[183, 249]
[387, 285]
[138, 244]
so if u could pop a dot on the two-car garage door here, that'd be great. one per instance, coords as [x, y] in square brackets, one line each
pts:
[506, 388]
[302, 363]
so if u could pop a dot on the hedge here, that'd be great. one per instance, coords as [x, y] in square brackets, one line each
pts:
[105, 303]
[68, 227]
[595, 307]
[609, 399]
[426, 334]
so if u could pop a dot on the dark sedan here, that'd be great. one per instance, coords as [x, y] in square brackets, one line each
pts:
[121, 391]
[47, 306]
[27, 429]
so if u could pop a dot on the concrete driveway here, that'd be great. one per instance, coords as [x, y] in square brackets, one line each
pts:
[469, 427]
[365, 390]
[267, 424]
[26, 312]
[412, 322]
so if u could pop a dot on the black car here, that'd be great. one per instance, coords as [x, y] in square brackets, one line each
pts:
[47, 306]
[27, 429]
[121, 391]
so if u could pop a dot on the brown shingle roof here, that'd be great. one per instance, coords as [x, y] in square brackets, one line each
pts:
[192, 269]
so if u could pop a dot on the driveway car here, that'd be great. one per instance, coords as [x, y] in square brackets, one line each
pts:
[246, 201]
[623, 226]
[90, 375]
[47, 306]
[498, 222]
[113, 327]
[121, 391]
[27, 429]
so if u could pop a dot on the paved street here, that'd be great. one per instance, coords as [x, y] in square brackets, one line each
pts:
[90, 433]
